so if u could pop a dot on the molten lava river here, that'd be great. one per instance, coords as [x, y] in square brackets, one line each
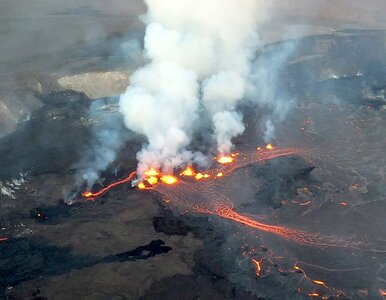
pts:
[271, 247]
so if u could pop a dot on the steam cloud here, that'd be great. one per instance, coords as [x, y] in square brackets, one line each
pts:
[107, 138]
[200, 55]
[268, 90]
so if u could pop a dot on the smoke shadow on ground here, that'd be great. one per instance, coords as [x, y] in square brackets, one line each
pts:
[25, 259]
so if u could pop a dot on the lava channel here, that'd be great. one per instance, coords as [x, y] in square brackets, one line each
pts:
[91, 196]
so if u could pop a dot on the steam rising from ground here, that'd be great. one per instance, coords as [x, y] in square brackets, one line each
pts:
[107, 138]
[200, 55]
[268, 89]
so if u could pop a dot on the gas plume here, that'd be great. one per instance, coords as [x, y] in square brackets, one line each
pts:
[200, 56]
[268, 87]
[107, 138]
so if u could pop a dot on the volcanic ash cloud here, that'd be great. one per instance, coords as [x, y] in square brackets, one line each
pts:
[199, 57]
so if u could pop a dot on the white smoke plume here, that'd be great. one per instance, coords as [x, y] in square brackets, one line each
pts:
[107, 137]
[267, 89]
[200, 54]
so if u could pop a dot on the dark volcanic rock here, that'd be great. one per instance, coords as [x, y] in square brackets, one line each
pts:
[357, 90]
[28, 259]
[194, 287]
[58, 137]
[62, 97]
[170, 224]
[49, 142]
[282, 177]
[53, 214]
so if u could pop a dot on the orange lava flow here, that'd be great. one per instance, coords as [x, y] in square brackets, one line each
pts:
[314, 295]
[224, 165]
[168, 179]
[90, 195]
[225, 159]
[227, 164]
[152, 172]
[242, 159]
[257, 264]
[290, 234]
[187, 195]
[329, 290]
[188, 172]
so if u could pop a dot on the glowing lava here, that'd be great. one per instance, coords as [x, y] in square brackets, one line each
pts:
[257, 264]
[151, 172]
[225, 160]
[329, 290]
[290, 234]
[200, 176]
[189, 172]
[313, 295]
[89, 195]
[168, 179]
[261, 155]
[152, 176]
[152, 180]
[195, 194]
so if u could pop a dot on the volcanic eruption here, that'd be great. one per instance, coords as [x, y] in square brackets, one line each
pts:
[194, 89]
[199, 70]
[241, 158]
